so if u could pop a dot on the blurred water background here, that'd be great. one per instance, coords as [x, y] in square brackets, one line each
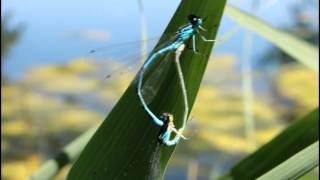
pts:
[51, 91]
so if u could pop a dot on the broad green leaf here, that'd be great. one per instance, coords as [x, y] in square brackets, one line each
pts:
[125, 145]
[302, 51]
[302, 133]
[297, 165]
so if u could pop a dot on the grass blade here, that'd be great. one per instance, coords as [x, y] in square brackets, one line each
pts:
[125, 145]
[302, 51]
[302, 133]
[297, 165]
[69, 153]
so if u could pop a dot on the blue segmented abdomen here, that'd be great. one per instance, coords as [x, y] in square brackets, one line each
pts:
[144, 67]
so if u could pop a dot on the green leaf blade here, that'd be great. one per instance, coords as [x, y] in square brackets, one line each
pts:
[302, 133]
[302, 51]
[296, 166]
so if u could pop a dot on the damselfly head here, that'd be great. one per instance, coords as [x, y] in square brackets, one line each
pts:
[167, 117]
[195, 20]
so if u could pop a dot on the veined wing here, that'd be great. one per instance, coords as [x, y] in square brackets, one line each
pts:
[153, 81]
[127, 55]
[130, 56]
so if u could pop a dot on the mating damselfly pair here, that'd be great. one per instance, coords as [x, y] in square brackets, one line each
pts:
[176, 44]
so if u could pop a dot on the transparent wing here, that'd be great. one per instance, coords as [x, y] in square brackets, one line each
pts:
[112, 47]
[154, 80]
[127, 56]
[130, 56]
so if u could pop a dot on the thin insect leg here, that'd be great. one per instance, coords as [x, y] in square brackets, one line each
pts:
[167, 129]
[207, 40]
[202, 28]
[179, 133]
[194, 43]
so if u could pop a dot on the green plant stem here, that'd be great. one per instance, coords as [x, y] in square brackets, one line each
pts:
[69, 153]
[144, 32]
[247, 91]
